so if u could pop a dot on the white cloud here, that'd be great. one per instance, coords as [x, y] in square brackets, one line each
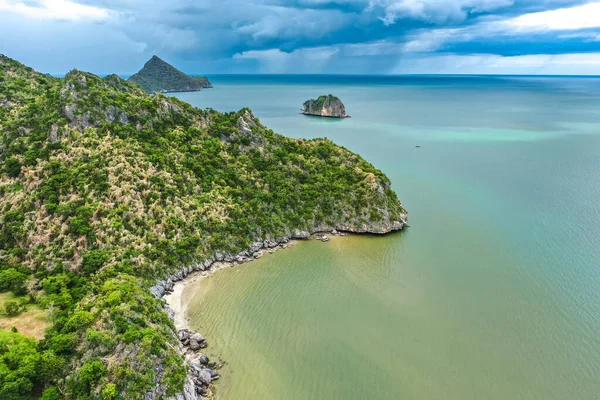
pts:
[54, 10]
[585, 36]
[563, 19]
[436, 11]
[202, 35]
[534, 64]
[580, 17]
[283, 22]
[367, 57]
[279, 62]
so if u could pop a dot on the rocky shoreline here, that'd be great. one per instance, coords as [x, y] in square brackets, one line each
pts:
[201, 372]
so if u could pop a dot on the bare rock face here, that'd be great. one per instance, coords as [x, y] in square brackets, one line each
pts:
[325, 106]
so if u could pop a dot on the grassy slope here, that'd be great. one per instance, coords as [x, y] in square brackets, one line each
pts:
[31, 322]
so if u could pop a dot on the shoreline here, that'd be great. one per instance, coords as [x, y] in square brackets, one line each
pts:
[201, 372]
[178, 304]
[170, 290]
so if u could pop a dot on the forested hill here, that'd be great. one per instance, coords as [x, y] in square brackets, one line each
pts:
[105, 188]
[159, 76]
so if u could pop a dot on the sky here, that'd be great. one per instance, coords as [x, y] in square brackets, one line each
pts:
[547, 37]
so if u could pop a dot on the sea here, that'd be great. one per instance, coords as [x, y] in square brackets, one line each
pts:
[493, 292]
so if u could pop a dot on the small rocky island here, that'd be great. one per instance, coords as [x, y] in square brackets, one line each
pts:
[160, 76]
[325, 106]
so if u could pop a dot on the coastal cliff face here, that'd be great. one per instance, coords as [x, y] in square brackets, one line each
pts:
[325, 106]
[159, 76]
[105, 189]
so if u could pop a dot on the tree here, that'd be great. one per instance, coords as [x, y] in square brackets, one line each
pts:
[93, 260]
[13, 167]
[50, 394]
[19, 359]
[13, 280]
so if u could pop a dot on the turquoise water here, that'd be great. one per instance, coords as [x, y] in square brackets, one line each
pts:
[494, 291]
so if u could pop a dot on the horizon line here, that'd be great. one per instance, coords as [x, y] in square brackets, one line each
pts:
[364, 75]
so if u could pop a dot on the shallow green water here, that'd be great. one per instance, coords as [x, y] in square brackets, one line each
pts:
[494, 291]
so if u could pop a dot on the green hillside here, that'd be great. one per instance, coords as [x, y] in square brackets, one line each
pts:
[105, 188]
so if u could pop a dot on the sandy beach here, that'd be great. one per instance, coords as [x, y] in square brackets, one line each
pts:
[178, 301]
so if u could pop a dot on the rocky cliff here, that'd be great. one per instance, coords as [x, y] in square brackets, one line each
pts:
[325, 106]
[159, 76]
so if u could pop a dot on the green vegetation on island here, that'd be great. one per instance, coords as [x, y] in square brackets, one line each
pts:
[159, 76]
[104, 189]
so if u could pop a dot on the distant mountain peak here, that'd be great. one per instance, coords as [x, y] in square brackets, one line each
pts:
[158, 75]
[155, 59]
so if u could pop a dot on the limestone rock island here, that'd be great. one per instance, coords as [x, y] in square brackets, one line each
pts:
[325, 106]
[160, 76]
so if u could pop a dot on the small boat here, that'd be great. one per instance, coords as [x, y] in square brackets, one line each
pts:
[418, 146]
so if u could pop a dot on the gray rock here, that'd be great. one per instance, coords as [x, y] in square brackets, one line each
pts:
[213, 374]
[156, 292]
[189, 393]
[203, 359]
[205, 376]
[53, 137]
[298, 234]
[270, 244]
[197, 342]
[183, 334]
[196, 367]
[254, 247]
[170, 312]
[197, 337]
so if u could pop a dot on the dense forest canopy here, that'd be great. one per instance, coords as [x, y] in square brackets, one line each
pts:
[105, 188]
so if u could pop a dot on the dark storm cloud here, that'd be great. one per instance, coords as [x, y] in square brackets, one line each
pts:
[304, 36]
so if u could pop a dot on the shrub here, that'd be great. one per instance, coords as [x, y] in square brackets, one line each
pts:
[12, 308]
